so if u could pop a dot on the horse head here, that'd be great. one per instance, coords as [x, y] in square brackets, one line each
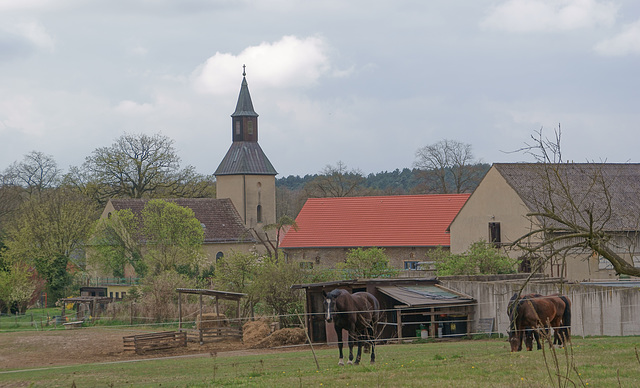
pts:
[330, 307]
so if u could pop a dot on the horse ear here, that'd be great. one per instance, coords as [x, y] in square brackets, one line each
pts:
[324, 293]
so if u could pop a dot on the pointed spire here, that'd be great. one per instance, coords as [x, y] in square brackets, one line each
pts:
[244, 106]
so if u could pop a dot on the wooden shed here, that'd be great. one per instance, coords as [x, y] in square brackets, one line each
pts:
[208, 327]
[411, 307]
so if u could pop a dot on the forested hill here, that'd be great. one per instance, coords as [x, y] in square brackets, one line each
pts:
[405, 181]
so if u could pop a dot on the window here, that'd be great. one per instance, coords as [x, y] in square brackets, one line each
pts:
[411, 265]
[219, 256]
[250, 128]
[494, 233]
[259, 213]
[306, 265]
[238, 127]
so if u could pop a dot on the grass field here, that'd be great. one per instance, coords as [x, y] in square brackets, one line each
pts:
[597, 362]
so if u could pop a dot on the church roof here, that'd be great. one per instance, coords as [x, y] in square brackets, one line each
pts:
[382, 221]
[219, 218]
[244, 107]
[245, 158]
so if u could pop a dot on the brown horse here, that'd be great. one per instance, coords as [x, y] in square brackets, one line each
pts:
[534, 312]
[358, 314]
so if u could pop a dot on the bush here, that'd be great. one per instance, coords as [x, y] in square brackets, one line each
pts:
[480, 258]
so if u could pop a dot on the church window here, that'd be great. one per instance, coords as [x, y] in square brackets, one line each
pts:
[250, 128]
[238, 127]
[259, 211]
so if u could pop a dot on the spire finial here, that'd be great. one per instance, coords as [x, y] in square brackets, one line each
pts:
[244, 73]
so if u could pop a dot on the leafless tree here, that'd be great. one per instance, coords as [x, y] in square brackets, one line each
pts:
[336, 181]
[448, 167]
[35, 173]
[579, 208]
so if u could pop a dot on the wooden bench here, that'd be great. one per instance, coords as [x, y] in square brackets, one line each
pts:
[72, 325]
[154, 341]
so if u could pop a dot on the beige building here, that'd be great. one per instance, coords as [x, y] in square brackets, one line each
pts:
[497, 212]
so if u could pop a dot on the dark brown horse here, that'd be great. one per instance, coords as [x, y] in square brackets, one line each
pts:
[356, 313]
[534, 312]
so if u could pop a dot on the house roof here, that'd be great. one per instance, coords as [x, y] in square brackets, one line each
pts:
[585, 182]
[245, 157]
[219, 217]
[381, 221]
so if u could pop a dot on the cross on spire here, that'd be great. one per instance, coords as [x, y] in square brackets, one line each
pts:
[244, 73]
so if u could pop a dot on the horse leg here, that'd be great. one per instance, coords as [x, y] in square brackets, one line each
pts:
[359, 355]
[339, 332]
[372, 342]
[350, 349]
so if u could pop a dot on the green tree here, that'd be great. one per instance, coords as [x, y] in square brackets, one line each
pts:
[367, 264]
[116, 243]
[163, 237]
[173, 236]
[480, 258]
[17, 286]
[237, 273]
[50, 234]
[273, 285]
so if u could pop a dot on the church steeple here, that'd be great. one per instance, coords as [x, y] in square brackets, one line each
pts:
[244, 119]
[246, 175]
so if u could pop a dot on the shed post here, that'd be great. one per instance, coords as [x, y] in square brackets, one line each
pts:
[200, 331]
[179, 311]
[399, 315]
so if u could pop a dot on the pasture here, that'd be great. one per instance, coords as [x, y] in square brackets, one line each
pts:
[596, 361]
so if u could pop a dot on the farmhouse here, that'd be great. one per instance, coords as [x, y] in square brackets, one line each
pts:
[497, 212]
[408, 227]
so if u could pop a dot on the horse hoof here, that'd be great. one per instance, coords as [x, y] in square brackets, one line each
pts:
[372, 362]
[349, 362]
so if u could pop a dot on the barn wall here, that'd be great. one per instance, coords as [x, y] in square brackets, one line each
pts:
[596, 310]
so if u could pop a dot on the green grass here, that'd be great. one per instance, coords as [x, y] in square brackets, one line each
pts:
[33, 319]
[599, 362]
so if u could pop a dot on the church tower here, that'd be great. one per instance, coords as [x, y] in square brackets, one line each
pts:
[245, 175]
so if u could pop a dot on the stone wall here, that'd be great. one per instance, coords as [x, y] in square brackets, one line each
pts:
[611, 310]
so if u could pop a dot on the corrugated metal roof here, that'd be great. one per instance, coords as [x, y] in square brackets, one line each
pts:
[382, 221]
[245, 157]
[424, 295]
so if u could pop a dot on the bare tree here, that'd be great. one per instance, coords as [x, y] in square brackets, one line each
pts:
[448, 167]
[590, 208]
[138, 166]
[336, 181]
[35, 173]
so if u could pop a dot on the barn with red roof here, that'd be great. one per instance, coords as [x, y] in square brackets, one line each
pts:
[408, 227]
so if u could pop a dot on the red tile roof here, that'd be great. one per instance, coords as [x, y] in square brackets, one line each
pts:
[389, 221]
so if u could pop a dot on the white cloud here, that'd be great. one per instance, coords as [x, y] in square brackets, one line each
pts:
[550, 15]
[34, 32]
[627, 42]
[20, 114]
[289, 62]
[129, 107]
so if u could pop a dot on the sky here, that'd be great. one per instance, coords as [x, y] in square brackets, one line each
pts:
[362, 82]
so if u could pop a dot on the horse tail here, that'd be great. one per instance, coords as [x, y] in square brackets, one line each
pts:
[566, 317]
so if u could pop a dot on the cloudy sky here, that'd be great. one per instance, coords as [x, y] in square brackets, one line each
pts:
[362, 82]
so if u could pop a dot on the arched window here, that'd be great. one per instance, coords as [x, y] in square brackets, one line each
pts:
[259, 213]
[219, 256]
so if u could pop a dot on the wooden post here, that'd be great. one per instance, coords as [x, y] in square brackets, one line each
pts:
[399, 315]
[201, 337]
[179, 311]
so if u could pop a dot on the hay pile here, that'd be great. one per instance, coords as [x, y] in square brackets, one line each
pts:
[211, 320]
[282, 337]
[255, 331]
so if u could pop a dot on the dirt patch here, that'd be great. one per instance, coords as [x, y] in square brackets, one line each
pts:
[88, 345]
